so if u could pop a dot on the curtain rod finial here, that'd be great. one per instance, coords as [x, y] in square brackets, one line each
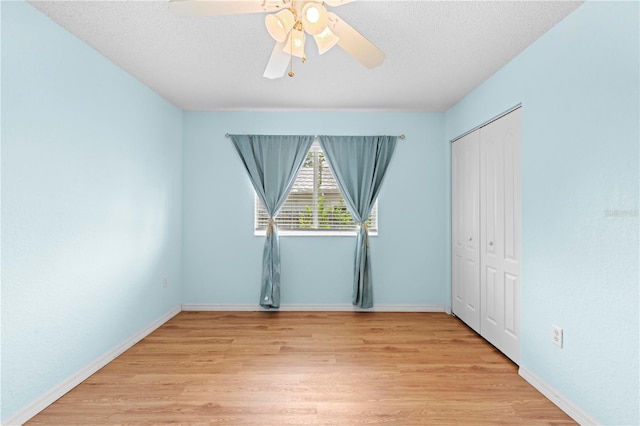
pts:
[227, 135]
[401, 137]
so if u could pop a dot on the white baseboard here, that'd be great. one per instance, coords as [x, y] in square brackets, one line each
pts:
[71, 382]
[313, 308]
[575, 412]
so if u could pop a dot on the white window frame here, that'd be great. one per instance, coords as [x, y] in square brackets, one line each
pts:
[315, 232]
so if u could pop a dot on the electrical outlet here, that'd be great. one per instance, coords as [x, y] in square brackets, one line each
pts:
[556, 335]
[165, 282]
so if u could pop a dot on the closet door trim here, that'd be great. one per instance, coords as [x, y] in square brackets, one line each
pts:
[497, 117]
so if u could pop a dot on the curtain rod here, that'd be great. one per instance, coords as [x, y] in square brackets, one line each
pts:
[227, 135]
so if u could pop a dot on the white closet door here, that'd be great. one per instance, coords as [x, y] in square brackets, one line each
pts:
[500, 233]
[465, 197]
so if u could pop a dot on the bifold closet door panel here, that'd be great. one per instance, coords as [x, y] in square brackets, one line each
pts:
[500, 233]
[465, 163]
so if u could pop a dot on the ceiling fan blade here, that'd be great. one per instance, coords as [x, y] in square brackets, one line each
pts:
[355, 44]
[336, 3]
[278, 62]
[190, 8]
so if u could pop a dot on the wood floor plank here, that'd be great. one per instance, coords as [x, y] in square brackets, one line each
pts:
[318, 368]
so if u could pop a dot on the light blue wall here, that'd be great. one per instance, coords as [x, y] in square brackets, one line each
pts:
[91, 205]
[222, 258]
[579, 88]
[0, 218]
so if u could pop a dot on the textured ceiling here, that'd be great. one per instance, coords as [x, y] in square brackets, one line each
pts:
[437, 52]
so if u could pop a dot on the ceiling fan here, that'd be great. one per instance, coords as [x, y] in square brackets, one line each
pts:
[289, 22]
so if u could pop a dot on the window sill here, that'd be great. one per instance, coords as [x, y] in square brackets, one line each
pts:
[283, 233]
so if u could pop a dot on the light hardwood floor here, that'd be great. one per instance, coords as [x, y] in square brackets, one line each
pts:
[276, 368]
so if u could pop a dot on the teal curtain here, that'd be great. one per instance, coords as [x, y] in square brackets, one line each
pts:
[273, 163]
[359, 164]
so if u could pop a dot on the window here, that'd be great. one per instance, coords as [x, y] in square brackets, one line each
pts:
[315, 204]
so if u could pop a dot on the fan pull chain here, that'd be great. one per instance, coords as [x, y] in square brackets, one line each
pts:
[291, 74]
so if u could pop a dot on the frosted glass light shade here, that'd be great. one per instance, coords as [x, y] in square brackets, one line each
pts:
[314, 18]
[279, 24]
[326, 40]
[297, 38]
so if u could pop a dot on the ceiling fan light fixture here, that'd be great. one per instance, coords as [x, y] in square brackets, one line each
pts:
[314, 18]
[288, 22]
[279, 24]
[295, 43]
[326, 40]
